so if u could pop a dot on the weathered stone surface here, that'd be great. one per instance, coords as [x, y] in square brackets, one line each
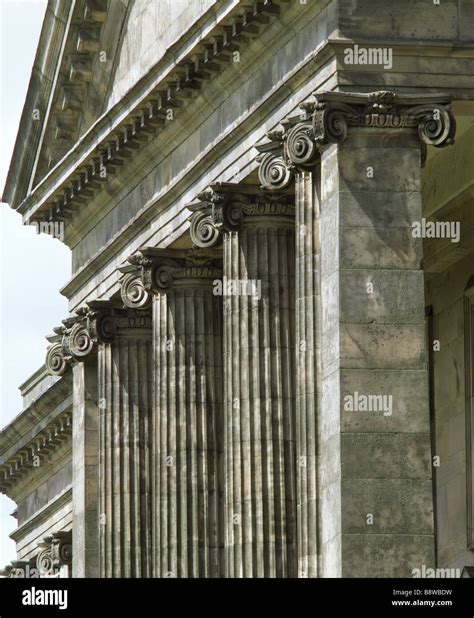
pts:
[397, 506]
[381, 297]
[278, 477]
[125, 401]
[410, 19]
[85, 471]
[384, 346]
[377, 472]
[187, 431]
[386, 555]
[385, 456]
[259, 374]
[308, 381]
[378, 248]
[446, 295]
[408, 390]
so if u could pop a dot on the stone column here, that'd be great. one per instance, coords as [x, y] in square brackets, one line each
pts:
[85, 470]
[374, 461]
[125, 399]
[258, 431]
[374, 349]
[72, 345]
[281, 159]
[187, 370]
[308, 338]
[113, 405]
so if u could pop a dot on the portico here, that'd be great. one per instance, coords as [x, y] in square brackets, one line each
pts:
[248, 354]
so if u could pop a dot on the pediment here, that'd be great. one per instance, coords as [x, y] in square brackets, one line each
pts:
[68, 89]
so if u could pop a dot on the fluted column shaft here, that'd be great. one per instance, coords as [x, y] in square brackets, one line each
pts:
[308, 334]
[85, 474]
[259, 437]
[125, 420]
[187, 340]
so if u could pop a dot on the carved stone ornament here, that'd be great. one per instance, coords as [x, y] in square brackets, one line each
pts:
[56, 551]
[133, 291]
[329, 117]
[155, 270]
[99, 322]
[218, 208]
[57, 356]
[225, 207]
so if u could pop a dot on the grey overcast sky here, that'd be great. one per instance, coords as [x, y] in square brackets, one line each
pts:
[32, 267]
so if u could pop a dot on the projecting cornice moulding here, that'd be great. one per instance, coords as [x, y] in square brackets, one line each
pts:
[119, 134]
[46, 441]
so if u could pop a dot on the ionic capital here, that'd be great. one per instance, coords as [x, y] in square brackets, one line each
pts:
[58, 358]
[135, 284]
[99, 322]
[216, 209]
[56, 551]
[225, 207]
[154, 270]
[328, 117]
[90, 326]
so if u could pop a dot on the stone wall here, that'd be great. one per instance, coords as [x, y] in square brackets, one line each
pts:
[445, 292]
[150, 29]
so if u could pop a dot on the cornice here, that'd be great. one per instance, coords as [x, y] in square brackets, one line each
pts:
[51, 122]
[33, 381]
[122, 240]
[65, 497]
[36, 416]
[119, 133]
[65, 111]
[47, 440]
[40, 88]
[165, 201]
[410, 46]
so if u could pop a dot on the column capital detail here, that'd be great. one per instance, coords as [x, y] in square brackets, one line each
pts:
[226, 207]
[55, 552]
[154, 270]
[98, 322]
[328, 116]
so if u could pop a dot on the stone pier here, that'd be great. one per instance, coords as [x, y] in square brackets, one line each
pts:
[365, 440]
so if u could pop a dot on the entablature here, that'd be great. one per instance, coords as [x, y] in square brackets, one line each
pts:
[28, 453]
[130, 123]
